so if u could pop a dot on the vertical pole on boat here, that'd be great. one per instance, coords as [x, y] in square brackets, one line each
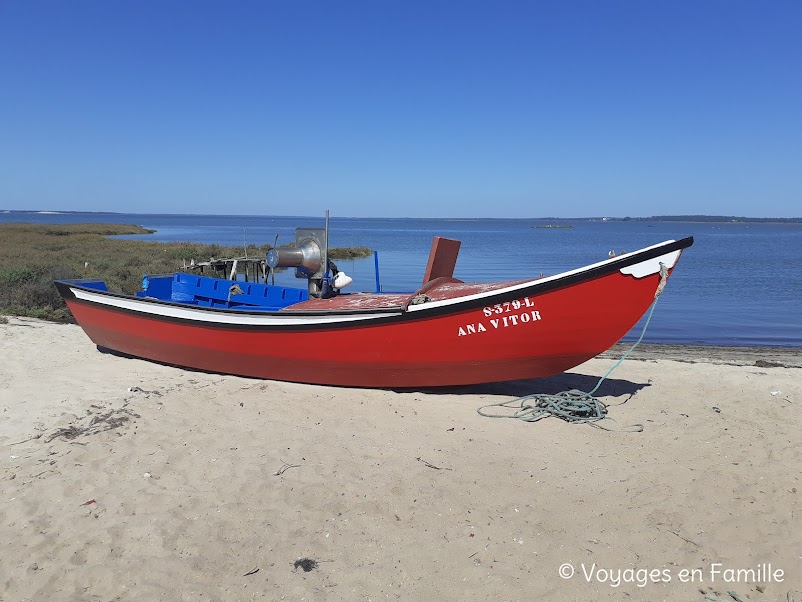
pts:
[376, 263]
[326, 247]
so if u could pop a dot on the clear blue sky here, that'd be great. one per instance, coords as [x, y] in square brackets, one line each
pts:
[402, 108]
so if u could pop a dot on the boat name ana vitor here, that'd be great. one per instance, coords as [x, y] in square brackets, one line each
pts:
[448, 332]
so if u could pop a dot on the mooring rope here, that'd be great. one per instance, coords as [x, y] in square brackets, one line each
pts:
[574, 405]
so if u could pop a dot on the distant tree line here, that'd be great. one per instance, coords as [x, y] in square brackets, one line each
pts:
[708, 218]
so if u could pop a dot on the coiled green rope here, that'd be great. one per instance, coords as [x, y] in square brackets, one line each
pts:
[574, 405]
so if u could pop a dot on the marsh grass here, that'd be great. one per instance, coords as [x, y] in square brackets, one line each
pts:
[349, 252]
[32, 256]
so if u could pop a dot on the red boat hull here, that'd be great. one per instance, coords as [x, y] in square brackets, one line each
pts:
[538, 329]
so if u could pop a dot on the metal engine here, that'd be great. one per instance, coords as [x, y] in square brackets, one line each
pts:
[309, 257]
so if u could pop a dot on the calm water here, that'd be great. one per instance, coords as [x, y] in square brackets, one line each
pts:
[739, 284]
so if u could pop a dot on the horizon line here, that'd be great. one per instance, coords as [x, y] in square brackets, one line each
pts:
[453, 218]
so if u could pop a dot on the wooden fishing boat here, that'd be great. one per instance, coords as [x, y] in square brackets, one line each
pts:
[448, 332]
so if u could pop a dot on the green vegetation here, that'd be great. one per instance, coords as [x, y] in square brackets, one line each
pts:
[349, 252]
[32, 256]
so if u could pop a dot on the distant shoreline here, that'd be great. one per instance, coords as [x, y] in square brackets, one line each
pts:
[687, 219]
[706, 219]
[692, 353]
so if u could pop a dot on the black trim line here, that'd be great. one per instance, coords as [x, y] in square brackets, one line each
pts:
[536, 288]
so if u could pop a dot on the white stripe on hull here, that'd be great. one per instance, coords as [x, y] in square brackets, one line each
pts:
[218, 317]
[638, 270]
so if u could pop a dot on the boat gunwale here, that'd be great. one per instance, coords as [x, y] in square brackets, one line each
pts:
[383, 314]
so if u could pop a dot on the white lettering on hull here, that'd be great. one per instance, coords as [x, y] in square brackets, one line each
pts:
[509, 313]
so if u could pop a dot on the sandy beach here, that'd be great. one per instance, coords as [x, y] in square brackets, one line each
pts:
[123, 479]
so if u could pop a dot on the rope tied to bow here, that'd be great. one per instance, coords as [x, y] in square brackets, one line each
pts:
[574, 406]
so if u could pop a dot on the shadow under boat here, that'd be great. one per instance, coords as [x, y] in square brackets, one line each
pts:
[550, 385]
[611, 387]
